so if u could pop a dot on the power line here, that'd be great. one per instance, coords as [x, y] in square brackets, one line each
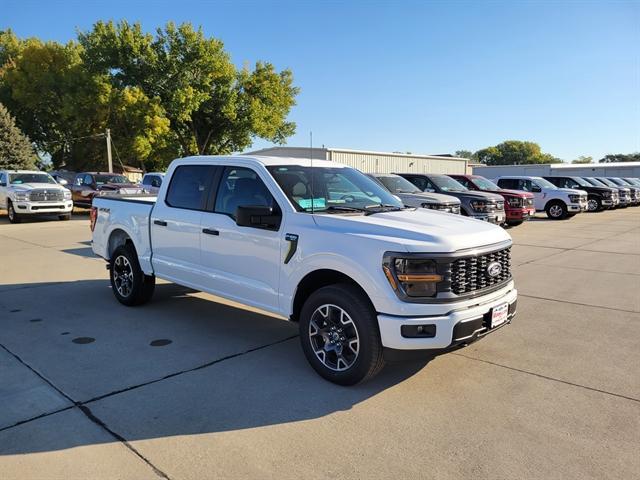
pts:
[97, 135]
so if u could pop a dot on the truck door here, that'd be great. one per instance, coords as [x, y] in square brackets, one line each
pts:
[175, 225]
[3, 190]
[241, 263]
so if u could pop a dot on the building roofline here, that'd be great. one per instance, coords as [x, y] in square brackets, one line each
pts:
[263, 151]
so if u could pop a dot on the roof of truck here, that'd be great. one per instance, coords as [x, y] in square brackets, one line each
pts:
[266, 161]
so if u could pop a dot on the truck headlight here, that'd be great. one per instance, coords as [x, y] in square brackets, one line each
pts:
[22, 196]
[479, 206]
[67, 195]
[574, 198]
[417, 277]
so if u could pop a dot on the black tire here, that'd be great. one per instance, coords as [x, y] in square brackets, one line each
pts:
[594, 204]
[357, 367]
[134, 289]
[66, 216]
[12, 214]
[556, 210]
[515, 223]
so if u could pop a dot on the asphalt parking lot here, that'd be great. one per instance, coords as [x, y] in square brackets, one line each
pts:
[188, 387]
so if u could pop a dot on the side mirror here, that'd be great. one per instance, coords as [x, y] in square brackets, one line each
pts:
[536, 189]
[430, 190]
[257, 216]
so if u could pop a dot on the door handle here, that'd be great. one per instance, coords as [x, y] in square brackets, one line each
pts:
[162, 223]
[210, 231]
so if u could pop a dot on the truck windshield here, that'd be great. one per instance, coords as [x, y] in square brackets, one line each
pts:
[397, 184]
[20, 178]
[334, 189]
[484, 184]
[633, 181]
[607, 182]
[448, 184]
[541, 182]
[581, 181]
[102, 179]
[595, 182]
[619, 182]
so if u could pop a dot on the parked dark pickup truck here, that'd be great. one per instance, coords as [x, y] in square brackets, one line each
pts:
[89, 184]
[624, 194]
[634, 190]
[599, 198]
[480, 205]
[518, 205]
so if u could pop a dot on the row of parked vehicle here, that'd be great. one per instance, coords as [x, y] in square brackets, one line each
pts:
[508, 200]
[26, 193]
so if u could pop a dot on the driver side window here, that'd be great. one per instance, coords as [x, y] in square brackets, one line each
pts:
[3, 180]
[88, 180]
[241, 186]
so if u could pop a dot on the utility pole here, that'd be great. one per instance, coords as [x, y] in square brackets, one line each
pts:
[109, 151]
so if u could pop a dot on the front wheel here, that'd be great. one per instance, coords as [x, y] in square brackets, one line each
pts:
[11, 212]
[340, 336]
[594, 205]
[556, 210]
[129, 283]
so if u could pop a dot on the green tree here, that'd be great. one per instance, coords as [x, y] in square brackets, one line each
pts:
[16, 150]
[514, 152]
[166, 95]
[465, 154]
[212, 107]
[621, 157]
[583, 159]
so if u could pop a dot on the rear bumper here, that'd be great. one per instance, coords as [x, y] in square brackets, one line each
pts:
[43, 208]
[453, 328]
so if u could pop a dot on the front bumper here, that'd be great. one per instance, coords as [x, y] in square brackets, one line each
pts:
[492, 217]
[520, 213]
[43, 208]
[452, 328]
[577, 207]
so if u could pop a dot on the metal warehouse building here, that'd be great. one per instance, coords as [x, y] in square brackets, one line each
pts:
[373, 162]
[620, 169]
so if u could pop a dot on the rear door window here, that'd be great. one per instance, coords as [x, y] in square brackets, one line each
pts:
[190, 186]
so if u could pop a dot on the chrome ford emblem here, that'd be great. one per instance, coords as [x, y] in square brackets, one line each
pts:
[494, 269]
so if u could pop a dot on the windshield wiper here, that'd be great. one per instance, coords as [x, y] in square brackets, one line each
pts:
[382, 207]
[342, 208]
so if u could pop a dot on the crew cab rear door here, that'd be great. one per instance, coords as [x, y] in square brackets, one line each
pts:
[240, 262]
[3, 189]
[175, 225]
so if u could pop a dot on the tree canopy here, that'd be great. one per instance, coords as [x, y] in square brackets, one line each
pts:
[621, 157]
[16, 150]
[514, 152]
[583, 159]
[163, 96]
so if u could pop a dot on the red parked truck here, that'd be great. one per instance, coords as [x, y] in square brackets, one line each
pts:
[518, 205]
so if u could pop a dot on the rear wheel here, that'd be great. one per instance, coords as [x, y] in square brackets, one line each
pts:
[339, 335]
[129, 283]
[556, 210]
[13, 216]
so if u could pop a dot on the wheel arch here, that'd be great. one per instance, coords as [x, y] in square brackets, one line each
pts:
[317, 279]
[555, 200]
[118, 237]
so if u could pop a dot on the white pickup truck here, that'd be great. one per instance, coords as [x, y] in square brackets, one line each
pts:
[363, 275]
[27, 193]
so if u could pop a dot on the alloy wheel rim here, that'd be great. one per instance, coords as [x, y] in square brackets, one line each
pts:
[123, 275]
[334, 337]
[10, 211]
[555, 210]
[592, 205]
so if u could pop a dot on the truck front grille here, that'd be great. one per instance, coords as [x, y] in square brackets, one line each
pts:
[45, 195]
[472, 274]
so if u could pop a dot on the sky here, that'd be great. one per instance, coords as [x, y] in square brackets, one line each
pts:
[422, 77]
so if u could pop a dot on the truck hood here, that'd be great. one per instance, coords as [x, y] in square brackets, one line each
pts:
[429, 197]
[23, 187]
[475, 195]
[515, 193]
[417, 230]
[572, 191]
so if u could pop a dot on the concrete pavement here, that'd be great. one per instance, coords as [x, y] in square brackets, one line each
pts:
[191, 387]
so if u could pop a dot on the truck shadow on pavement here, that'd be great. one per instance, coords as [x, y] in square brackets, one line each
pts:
[214, 368]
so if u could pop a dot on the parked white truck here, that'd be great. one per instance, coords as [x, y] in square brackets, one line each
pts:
[320, 244]
[26, 193]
